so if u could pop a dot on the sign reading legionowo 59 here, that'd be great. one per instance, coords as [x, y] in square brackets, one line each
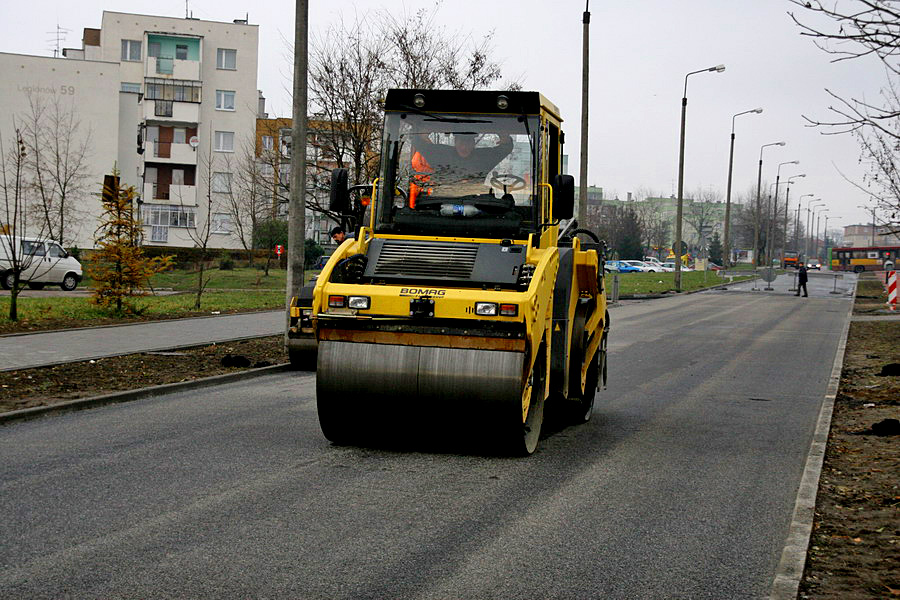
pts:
[62, 90]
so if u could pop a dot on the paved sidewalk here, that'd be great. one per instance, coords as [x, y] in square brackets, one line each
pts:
[55, 347]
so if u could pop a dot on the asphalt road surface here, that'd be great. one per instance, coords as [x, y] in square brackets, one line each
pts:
[681, 486]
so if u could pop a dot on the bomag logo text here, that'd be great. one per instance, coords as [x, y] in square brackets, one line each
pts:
[421, 292]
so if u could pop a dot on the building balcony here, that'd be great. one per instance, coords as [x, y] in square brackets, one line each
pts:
[168, 111]
[183, 195]
[172, 68]
[169, 153]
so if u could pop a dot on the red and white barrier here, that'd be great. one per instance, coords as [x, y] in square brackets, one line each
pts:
[892, 289]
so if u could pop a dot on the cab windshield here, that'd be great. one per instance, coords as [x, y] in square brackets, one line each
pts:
[469, 175]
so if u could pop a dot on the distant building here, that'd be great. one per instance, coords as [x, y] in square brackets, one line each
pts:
[856, 236]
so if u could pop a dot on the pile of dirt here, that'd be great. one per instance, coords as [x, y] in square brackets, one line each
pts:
[854, 551]
[50, 385]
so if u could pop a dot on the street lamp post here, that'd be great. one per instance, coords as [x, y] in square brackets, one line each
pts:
[758, 186]
[871, 210]
[727, 243]
[797, 224]
[787, 199]
[773, 230]
[825, 250]
[818, 223]
[677, 248]
[809, 224]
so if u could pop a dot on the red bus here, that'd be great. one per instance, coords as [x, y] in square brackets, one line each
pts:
[866, 258]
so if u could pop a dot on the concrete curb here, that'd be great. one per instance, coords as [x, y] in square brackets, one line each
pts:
[163, 348]
[718, 286]
[129, 395]
[786, 584]
[249, 312]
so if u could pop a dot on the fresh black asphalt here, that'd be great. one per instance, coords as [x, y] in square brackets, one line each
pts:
[681, 486]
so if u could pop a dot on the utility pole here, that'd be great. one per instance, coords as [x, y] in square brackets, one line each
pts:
[585, 70]
[297, 206]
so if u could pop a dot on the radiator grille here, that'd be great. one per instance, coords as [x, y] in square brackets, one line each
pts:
[441, 261]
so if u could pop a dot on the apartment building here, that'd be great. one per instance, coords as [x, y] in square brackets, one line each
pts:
[870, 235]
[171, 102]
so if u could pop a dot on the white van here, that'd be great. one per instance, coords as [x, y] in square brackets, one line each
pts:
[42, 262]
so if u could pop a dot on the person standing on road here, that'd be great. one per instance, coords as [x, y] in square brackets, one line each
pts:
[801, 281]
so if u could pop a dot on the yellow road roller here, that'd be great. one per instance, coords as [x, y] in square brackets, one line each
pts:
[468, 294]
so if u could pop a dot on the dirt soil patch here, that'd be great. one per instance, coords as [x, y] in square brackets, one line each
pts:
[50, 385]
[854, 551]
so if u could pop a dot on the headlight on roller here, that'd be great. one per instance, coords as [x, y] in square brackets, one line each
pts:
[358, 302]
[486, 309]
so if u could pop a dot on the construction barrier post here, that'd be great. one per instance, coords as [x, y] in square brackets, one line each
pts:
[892, 289]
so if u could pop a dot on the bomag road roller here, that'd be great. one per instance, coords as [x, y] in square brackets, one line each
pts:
[467, 297]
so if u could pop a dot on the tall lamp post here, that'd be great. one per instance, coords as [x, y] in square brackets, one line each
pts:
[727, 244]
[787, 199]
[797, 224]
[810, 221]
[773, 230]
[585, 72]
[756, 220]
[818, 223]
[871, 210]
[825, 232]
[678, 213]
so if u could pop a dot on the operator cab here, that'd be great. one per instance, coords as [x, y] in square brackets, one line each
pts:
[467, 164]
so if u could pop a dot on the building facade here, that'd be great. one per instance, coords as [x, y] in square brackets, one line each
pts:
[858, 236]
[171, 103]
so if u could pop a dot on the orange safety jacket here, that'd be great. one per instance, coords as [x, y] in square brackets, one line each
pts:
[420, 179]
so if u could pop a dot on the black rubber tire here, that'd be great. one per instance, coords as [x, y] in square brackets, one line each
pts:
[521, 438]
[7, 281]
[302, 360]
[35, 285]
[69, 282]
[858, 269]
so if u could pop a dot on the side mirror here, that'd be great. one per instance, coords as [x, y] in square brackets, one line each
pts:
[563, 196]
[340, 191]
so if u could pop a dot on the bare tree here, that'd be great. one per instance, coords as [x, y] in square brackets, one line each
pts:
[19, 259]
[245, 199]
[353, 64]
[202, 231]
[850, 30]
[703, 214]
[655, 225]
[58, 147]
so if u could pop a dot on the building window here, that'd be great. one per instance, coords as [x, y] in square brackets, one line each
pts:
[172, 89]
[163, 108]
[179, 135]
[221, 183]
[221, 223]
[154, 49]
[268, 142]
[131, 50]
[181, 52]
[224, 100]
[134, 88]
[224, 141]
[226, 59]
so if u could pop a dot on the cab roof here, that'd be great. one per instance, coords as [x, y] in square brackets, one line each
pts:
[470, 101]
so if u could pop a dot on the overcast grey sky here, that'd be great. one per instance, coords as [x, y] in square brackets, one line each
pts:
[640, 53]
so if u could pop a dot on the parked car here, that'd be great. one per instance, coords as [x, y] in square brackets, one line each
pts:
[670, 266]
[642, 266]
[41, 262]
[620, 266]
[652, 260]
[713, 266]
